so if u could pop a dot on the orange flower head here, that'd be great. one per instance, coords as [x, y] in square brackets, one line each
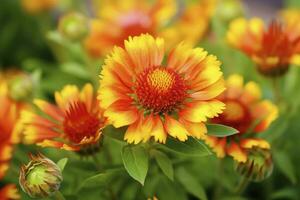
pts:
[74, 122]
[156, 99]
[246, 112]
[272, 49]
[9, 192]
[10, 126]
[164, 18]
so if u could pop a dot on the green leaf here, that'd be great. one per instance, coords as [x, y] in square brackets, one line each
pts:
[219, 130]
[100, 180]
[286, 193]
[285, 165]
[190, 183]
[115, 133]
[75, 69]
[135, 160]
[164, 163]
[62, 163]
[191, 147]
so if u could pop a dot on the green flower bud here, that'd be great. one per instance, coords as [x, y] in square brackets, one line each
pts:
[229, 9]
[73, 26]
[41, 177]
[21, 87]
[259, 165]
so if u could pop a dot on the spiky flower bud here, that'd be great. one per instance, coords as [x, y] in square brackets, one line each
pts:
[41, 177]
[73, 26]
[259, 165]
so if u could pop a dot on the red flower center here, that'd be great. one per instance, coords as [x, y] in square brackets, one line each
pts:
[79, 123]
[236, 115]
[160, 89]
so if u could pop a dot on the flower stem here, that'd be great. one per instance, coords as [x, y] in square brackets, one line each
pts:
[276, 90]
[242, 185]
[59, 196]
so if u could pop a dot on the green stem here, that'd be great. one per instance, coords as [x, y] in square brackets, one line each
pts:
[59, 196]
[242, 185]
[97, 162]
[276, 90]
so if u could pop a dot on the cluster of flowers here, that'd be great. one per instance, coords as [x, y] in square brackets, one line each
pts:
[151, 86]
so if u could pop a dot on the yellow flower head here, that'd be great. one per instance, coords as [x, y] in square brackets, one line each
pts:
[246, 112]
[272, 48]
[134, 17]
[156, 98]
[72, 123]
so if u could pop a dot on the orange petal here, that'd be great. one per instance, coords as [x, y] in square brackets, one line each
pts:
[158, 131]
[87, 96]
[49, 109]
[175, 128]
[197, 130]
[67, 95]
[210, 92]
[145, 51]
[9, 192]
[199, 111]
[236, 152]
[217, 144]
[59, 145]
[121, 113]
[254, 142]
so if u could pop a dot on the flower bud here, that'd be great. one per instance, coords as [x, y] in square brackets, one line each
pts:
[227, 10]
[21, 87]
[41, 177]
[73, 26]
[259, 165]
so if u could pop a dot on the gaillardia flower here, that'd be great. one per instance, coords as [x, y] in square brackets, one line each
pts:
[246, 112]
[161, 18]
[76, 120]
[9, 192]
[41, 177]
[129, 18]
[10, 126]
[272, 48]
[156, 98]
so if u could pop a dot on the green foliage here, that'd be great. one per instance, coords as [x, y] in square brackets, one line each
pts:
[136, 162]
[220, 130]
[164, 163]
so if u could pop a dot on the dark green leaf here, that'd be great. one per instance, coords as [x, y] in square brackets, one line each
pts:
[286, 193]
[164, 163]
[191, 147]
[62, 163]
[219, 130]
[190, 183]
[135, 160]
[285, 165]
[100, 180]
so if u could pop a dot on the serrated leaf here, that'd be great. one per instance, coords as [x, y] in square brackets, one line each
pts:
[191, 147]
[164, 163]
[100, 180]
[62, 163]
[135, 160]
[285, 165]
[190, 183]
[220, 130]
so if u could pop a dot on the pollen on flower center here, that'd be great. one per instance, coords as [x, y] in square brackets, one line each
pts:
[160, 89]
[79, 123]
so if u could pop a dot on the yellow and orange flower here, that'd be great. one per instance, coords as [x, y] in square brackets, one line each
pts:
[9, 192]
[246, 112]
[134, 17]
[10, 126]
[38, 6]
[157, 99]
[74, 122]
[272, 48]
